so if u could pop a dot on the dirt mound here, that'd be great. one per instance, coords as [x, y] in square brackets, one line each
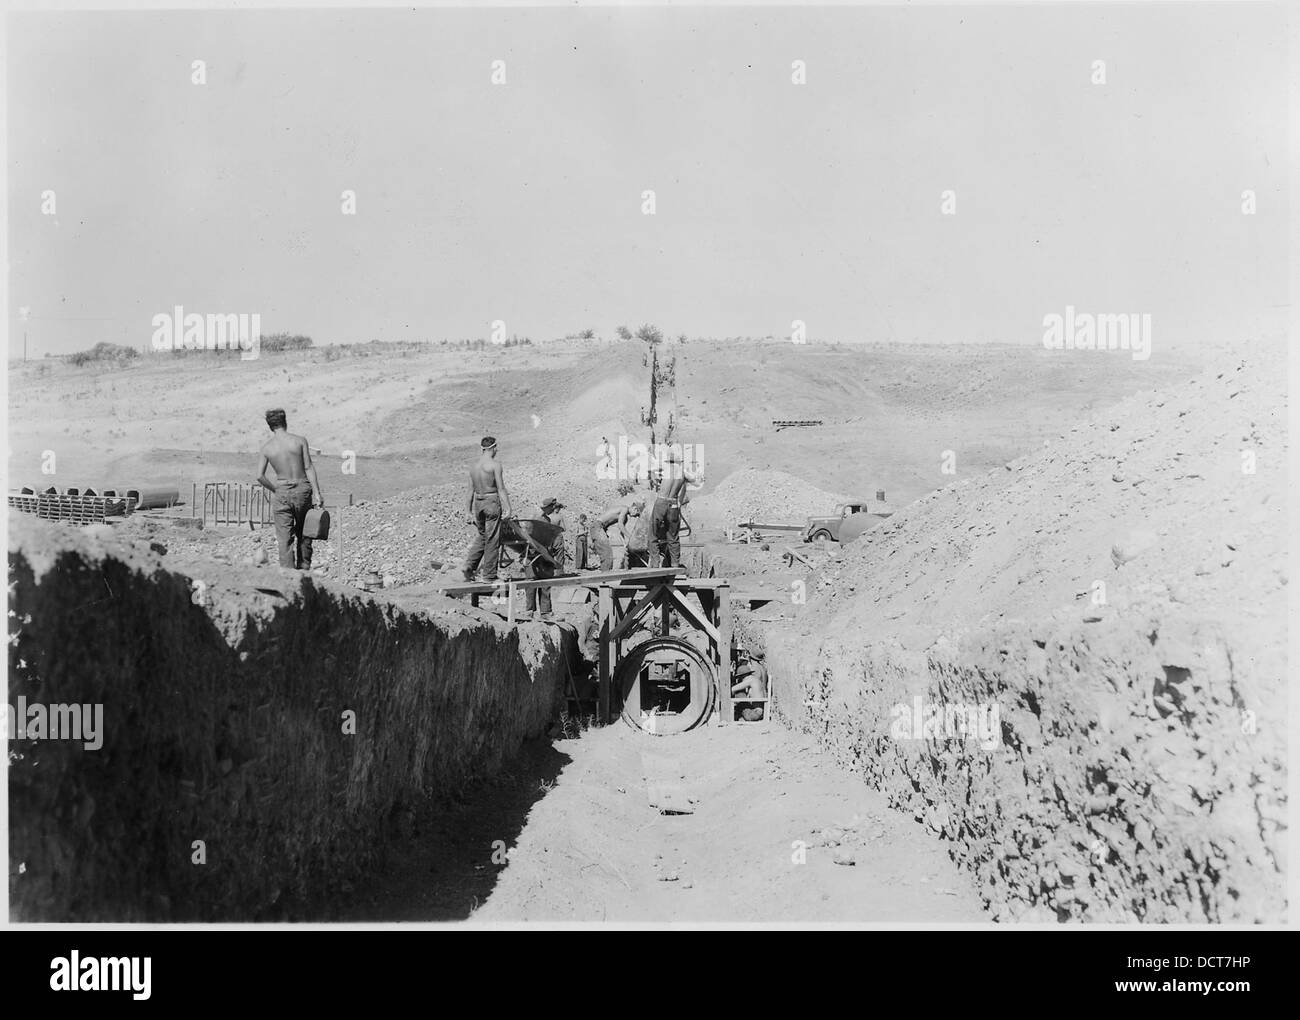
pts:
[769, 497]
[1183, 490]
[1111, 612]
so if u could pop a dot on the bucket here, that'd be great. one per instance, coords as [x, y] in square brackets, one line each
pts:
[316, 524]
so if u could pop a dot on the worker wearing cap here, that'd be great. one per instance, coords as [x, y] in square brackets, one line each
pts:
[485, 504]
[541, 597]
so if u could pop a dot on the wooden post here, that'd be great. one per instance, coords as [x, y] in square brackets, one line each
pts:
[605, 675]
[722, 603]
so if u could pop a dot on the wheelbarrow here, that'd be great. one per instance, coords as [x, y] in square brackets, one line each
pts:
[526, 541]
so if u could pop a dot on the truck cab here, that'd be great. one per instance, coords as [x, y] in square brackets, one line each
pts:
[827, 529]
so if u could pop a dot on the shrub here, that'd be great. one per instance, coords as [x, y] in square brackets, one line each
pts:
[652, 335]
[103, 351]
[285, 342]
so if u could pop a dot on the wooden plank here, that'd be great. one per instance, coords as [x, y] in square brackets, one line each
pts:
[700, 621]
[605, 677]
[630, 617]
[763, 597]
[724, 655]
[590, 580]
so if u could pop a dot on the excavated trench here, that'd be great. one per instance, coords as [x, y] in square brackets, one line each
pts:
[263, 734]
[1116, 772]
[266, 736]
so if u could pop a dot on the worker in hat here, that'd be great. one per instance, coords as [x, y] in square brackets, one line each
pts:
[486, 503]
[541, 597]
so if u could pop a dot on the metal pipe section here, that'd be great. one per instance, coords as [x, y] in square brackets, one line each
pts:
[668, 686]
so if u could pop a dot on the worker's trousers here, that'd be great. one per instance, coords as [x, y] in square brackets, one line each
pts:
[665, 522]
[486, 546]
[290, 504]
[540, 598]
[601, 547]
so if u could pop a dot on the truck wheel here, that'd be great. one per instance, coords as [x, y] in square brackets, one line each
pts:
[820, 538]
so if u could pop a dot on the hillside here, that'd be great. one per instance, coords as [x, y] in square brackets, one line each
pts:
[1113, 610]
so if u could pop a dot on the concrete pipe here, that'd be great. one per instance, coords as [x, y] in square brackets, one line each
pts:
[148, 499]
[667, 685]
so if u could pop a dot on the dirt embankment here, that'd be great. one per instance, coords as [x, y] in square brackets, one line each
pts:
[1074, 668]
[262, 733]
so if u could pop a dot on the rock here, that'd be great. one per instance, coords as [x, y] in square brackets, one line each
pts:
[831, 836]
[844, 855]
[1132, 545]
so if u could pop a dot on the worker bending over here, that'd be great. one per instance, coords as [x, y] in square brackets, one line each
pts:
[615, 516]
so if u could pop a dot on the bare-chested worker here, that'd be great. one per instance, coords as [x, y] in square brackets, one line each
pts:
[636, 535]
[666, 519]
[600, 525]
[750, 682]
[486, 503]
[294, 492]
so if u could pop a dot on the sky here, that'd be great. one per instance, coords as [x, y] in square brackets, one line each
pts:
[522, 202]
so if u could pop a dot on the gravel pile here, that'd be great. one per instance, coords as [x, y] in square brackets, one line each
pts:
[768, 497]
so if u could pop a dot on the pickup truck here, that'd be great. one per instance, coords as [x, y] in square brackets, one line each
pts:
[827, 529]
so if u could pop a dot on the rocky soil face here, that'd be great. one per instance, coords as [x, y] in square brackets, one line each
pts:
[263, 733]
[1074, 667]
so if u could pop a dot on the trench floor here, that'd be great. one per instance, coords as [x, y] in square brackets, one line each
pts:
[568, 833]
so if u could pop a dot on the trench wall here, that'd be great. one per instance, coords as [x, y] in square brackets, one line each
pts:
[1138, 772]
[289, 725]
